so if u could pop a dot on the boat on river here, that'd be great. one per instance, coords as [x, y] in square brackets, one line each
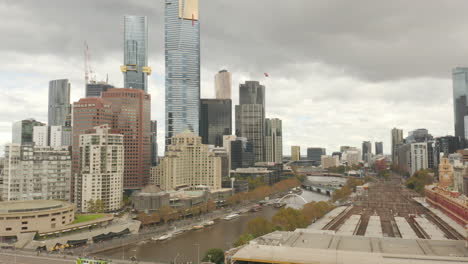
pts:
[208, 223]
[197, 227]
[231, 217]
[162, 238]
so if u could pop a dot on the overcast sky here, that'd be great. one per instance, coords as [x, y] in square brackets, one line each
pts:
[340, 71]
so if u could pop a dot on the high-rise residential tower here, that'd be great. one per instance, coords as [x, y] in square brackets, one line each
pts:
[131, 110]
[135, 68]
[22, 131]
[273, 140]
[295, 153]
[378, 148]
[59, 103]
[397, 139]
[223, 84]
[154, 142]
[215, 120]
[460, 103]
[182, 56]
[250, 116]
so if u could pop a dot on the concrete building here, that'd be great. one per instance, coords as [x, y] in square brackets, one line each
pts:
[379, 148]
[418, 136]
[327, 161]
[23, 217]
[60, 136]
[223, 83]
[227, 146]
[250, 116]
[150, 199]
[41, 136]
[22, 131]
[225, 166]
[413, 157]
[273, 140]
[36, 173]
[460, 173]
[295, 153]
[351, 156]
[101, 169]
[59, 103]
[188, 163]
[460, 103]
[315, 154]
[131, 114]
[135, 68]
[449, 202]
[444, 146]
[182, 57]
[215, 120]
[95, 89]
[397, 139]
[154, 142]
[445, 173]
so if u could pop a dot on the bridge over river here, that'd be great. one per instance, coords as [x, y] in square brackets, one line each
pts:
[323, 184]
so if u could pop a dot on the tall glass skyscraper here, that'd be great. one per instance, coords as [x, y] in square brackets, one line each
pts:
[215, 120]
[460, 92]
[59, 103]
[135, 68]
[182, 34]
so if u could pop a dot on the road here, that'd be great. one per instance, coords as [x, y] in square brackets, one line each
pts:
[12, 258]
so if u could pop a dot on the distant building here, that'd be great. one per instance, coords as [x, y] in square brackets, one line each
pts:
[315, 154]
[182, 62]
[379, 148]
[23, 131]
[215, 120]
[150, 199]
[242, 153]
[135, 68]
[59, 103]
[100, 178]
[223, 154]
[95, 89]
[41, 136]
[329, 161]
[273, 140]
[460, 176]
[460, 103]
[445, 173]
[154, 142]
[380, 164]
[60, 136]
[295, 153]
[250, 116]
[188, 163]
[337, 154]
[267, 176]
[418, 136]
[36, 173]
[366, 150]
[223, 83]
[397, 139]
[345, 148]
[413, 157]
[443, 146]
[351, 157]
[227, 146]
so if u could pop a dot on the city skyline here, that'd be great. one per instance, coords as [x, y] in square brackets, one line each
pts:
[334, 82]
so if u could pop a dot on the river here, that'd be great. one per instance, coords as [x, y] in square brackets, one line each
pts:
[186, 247]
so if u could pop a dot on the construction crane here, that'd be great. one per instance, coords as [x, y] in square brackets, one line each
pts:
[89, 72]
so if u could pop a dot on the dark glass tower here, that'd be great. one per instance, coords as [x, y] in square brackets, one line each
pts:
[154, 142]
[460, 91]
[96, 89]
[182, 44]
[215, 120]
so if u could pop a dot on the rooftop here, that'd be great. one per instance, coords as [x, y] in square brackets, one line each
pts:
[30, 206]
[308, 246]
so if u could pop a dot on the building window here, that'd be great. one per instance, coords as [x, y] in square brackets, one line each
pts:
[24, 223]
[8, 229]
[24, 228]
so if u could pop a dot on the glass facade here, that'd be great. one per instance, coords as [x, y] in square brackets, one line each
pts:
[135, 67]
[59, 103]
[215, 120]
[182, 57]
[315, 154]
[22, 131]
[154, 142]
[460, 91]
[96, 89]
[273, 140]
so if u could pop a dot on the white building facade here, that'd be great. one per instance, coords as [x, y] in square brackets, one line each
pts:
[101, 170]
[41, 136]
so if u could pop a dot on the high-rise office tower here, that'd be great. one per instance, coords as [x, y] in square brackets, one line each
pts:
[131, 110]
[59, 103]
[397, 139]
[95, 89]
[22, 131]
[223, 84]
[154, 142]
[182, 37]
[250, 116]
[460, 103]
[378, 148]
[366, 150]
[242, 153]
[100, 178]
[295, 153]
[135, 68]
[315, 154]
[215, 120]
[273, 140]
[87, 114]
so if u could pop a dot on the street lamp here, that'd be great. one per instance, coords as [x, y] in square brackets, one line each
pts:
[198, 252]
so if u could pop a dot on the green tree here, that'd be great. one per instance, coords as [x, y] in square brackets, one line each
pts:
[215, 255]
[419, 179]
[243, 239]
[259, 226]
[289, 219]
[97, 206]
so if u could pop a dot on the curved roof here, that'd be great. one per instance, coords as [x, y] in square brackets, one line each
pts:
[30, 206]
